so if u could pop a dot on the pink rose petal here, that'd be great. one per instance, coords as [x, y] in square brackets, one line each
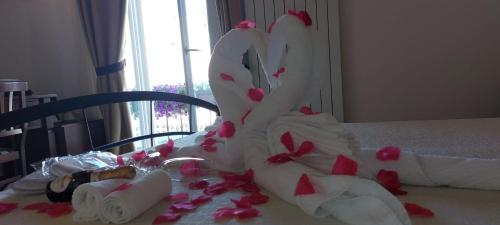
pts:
[280, 158]
[417, 210]
[120, 161]
[201, 199]
[270, 29]
[246, 213]
[224, 213]
[242, 120]
[7, 207]
[242, 203]
[216, 189]
[138, 156]
[227, 77]
[190, 169]
[210, 148]
[256, 94]
[256, 198]
[196, 185]
[307, 110]
[247, 176]
[250, 187]
[59, 209]
[287, 140]
[388, 153]
[179, 197]
[167, 149]
[279, 72]
[182, 207]
[210, 134]
[245, 24]
[344, 166]
[304, 186]
[227, 129]
[302, 15]
[389, 179]
[305, 148]
[167, 217]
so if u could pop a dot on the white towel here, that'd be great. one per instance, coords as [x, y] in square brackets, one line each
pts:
[122, 206]
[87, 198]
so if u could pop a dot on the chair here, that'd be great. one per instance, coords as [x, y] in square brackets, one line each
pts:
[83, 102]
[13, 159]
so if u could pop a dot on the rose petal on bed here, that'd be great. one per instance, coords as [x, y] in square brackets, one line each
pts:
[397, 192]
[270, 29]
[210, 148]
[417, 210]
[256, 94]
[224, 213]
[245, 24]
[279, 72]
[388, 153]
[287, 140]
[190, 169]
[242, 120]
[210, 134]
[256, 198]
[305, 148]
[304, 186]
[242, 203]
[120, 161]
[7, 207]
[208, 142]
[179, 197]
[306, 110]
[122, 187]
[196, 185]
[280, 158]
[138, 156]
[227, 129]
[201, 199]
[389, 179]
[227, 77]
[302, 15]
[246, 213]
[167, 149]
[344, 166]
[38, 206]
[167, 217]
[247, 176]
[182, 207]
[250, 187]
[216, 189]
[59, 209]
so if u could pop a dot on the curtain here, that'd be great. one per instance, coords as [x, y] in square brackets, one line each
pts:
[103, 24]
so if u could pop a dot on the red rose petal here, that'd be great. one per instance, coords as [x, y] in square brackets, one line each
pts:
[245, 24]
[279, 72]
[247, 176]
[388, 153]
[287, 140]
[246, 213]
[280, 158]
[196, 185]
[190, 169]
[307, 110]
[210, 148]
[168, 217]
[250, 187]
[138, 156]
[224, 213]
[166, 149]
[256, 94]
[344, 166]
[227, 129]
[256, 198]
[302, 15]
[208, 142]
[152, 161]
[389, 179]
[210, 134]
[38, 206]
[201, 199]
[216, 189]
[120, 161]
[179, 197]
[242, 120]
[7, 207]
[182, 207]
[417, 210]
[305, 148]
[242, 203]
[270, 29]
[59, 209]
[227, 77]
[122, 187]
[304, 186]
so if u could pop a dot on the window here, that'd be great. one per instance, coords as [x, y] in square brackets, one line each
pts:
[167, 48]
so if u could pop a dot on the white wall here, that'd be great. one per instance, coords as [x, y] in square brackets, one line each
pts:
[41, 42]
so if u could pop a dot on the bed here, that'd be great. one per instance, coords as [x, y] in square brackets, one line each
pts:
[470, 137]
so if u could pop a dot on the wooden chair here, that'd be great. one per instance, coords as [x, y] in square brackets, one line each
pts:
[12, 159]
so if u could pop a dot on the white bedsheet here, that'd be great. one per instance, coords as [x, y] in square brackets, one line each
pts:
[471, 137]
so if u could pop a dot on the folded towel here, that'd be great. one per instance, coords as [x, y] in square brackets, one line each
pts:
[124, 205]
[87, 199]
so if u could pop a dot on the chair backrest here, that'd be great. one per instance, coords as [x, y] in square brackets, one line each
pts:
[8, 88]
[81, 103]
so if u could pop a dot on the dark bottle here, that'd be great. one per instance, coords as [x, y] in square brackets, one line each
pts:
[61, 189]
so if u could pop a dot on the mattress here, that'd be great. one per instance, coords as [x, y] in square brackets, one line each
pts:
[470, 137]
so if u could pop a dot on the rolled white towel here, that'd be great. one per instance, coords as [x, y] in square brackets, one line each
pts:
[87, 198]
[122, 206]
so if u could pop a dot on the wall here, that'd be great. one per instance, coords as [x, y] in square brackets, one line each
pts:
[41, 42]
[426, 59]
